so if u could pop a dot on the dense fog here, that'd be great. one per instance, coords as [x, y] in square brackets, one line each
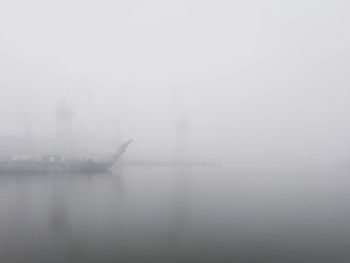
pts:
[258, 81]
[239, 116]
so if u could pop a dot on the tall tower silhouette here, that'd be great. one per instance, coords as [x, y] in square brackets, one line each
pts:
[181, 130]
[64, 128]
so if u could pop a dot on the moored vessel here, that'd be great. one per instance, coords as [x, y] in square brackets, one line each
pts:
[58, 164]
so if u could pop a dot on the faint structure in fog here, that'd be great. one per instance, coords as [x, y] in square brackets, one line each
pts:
[118, 122]
[65, 113]
[181, 130]
[26, 139]
[119, 131]
[64, 118]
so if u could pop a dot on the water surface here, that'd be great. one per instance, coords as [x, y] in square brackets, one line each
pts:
[198, 214]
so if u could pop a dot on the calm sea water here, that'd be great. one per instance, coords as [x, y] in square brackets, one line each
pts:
[202, 214]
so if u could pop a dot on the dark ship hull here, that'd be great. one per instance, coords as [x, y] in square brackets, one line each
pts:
[22, 167]
[54, 164]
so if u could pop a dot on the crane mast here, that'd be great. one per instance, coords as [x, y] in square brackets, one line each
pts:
[64, 114]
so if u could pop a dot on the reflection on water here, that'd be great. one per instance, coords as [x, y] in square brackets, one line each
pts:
[181, 185]
[212, 214]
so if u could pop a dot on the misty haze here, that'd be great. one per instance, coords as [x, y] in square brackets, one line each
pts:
[174, 131]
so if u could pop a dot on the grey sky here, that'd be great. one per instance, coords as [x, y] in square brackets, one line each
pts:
[259, 79]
